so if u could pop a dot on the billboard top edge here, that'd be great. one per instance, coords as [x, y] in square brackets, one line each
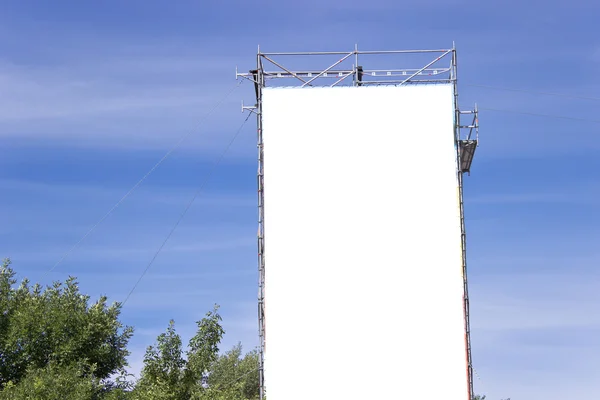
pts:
[356, 87]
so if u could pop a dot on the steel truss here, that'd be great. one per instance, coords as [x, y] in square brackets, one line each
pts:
[439, 68]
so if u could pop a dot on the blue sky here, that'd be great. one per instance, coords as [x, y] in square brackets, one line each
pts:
[93, 94]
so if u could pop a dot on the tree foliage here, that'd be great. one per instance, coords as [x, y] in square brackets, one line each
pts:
[55, 344]
[164, 367]
[53, 382]
[202, 374]
[168, 375]
[235, 375]
[57, 327]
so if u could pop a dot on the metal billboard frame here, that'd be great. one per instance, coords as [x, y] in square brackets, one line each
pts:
[440, 68]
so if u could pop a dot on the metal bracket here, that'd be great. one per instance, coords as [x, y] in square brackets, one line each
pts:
[469, 141]
[252, 109]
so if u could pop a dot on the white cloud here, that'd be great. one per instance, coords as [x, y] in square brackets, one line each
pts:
[147, 192]
[37, 93]
[146, 101]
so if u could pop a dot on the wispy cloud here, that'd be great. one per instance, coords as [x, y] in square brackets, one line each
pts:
[172, 194]
[75, 91]
[144, 101]
[129, 251]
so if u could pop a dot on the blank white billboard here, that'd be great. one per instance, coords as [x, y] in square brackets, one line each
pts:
[363, 278]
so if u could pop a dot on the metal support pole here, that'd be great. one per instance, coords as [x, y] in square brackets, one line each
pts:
[356, 65]
[463, 234]
[261, 231]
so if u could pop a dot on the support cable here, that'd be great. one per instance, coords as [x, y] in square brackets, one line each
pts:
[187, 207]
[481, 383]
[126, 195]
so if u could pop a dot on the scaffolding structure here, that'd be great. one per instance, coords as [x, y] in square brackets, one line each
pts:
[424, 67]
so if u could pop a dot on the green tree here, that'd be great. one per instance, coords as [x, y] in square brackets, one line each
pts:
[167, 374]
[44, 331]
[55, 345]
[53, 382]
[204, 346]
[234, 375]
[162, 375]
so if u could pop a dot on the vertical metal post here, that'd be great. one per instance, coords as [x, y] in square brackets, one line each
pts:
[356, 65]
[261, 223]
[463, 234]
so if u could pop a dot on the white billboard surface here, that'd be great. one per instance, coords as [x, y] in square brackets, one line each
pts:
[363, 278]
